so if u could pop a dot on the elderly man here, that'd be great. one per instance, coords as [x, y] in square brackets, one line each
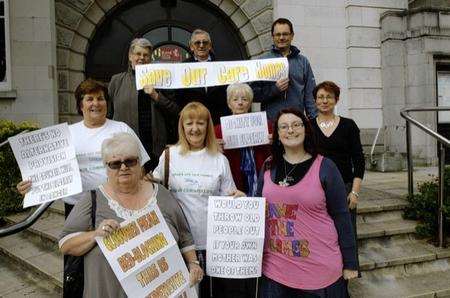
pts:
[296, 90]
[214, 98]
[144, 110]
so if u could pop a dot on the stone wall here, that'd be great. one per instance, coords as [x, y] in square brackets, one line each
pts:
[33, 64]
[412, 41]
[76, 22]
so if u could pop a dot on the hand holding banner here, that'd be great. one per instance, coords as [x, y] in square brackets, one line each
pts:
[206, 74]
[47, 158]
[145, 258]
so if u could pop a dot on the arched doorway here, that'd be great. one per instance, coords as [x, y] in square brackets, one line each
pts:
[168, 25]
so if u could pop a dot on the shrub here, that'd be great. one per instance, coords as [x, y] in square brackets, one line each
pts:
[423, 206]
[10, 199]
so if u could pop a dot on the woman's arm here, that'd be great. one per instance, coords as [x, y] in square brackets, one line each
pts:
[195, 271]
[83, 242]
[336, 202]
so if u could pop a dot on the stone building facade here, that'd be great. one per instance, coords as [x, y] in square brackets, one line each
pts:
[385, 54]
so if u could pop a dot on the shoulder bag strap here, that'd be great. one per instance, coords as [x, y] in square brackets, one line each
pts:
[93, 208]
[166, 167]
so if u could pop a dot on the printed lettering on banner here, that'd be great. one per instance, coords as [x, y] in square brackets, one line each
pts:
[235, 238]
[245, 130]
[207, 74]
[146, 259]
[47, 158]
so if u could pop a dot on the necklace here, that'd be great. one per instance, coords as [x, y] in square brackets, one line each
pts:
[327, 124]
[288, 179]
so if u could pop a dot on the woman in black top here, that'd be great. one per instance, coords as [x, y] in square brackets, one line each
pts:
[338, 139]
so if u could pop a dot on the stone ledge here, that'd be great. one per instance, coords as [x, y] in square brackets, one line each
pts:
[388, 228]
[10, 94]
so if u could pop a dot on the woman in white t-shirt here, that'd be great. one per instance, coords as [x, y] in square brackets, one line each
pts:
[87, 135]
[197, 170]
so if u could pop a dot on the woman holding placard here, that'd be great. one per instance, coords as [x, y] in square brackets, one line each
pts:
[124, 196]
[309, 245]
[193, 170]
[245, 163]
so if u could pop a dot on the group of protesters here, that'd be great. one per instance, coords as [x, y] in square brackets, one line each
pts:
[310, 173]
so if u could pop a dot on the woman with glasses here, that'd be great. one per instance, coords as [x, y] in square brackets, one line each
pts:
[309, 246]
[196, 170]
[338, 139]
[125, 195]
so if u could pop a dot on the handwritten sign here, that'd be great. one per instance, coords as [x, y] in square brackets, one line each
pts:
[244, 130]
[235, 238]
[206, 74]
[47, 158]
[145, 258]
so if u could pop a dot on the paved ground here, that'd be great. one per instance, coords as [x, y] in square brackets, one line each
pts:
[397, 182]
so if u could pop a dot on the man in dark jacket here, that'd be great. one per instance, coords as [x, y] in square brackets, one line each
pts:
[214, 98]
[295, 91]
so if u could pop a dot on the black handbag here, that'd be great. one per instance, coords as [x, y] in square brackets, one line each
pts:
[74, 266]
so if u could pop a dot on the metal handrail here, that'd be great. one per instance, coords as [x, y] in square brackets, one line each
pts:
[443, 142]
[30, 219]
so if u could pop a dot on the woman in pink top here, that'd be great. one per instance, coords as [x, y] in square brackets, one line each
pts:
[309, 246]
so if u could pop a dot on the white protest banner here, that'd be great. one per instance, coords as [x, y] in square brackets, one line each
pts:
[235, 238]
[244, 130]
[206, 74]
[47, 158]
[145, 257]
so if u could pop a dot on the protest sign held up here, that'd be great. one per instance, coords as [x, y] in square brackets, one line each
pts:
[235, 237]
[145, 258]
[207, 74]
[47, 158]
[244, 130]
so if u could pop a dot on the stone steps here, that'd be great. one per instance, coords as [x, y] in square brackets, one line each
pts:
[36, 250]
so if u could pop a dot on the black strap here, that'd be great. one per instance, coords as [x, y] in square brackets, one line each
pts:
[94, 207]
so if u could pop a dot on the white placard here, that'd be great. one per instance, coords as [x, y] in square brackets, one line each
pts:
[245, 130]
[47, 158]
[235, 237]
[206, 74]
[146, 259]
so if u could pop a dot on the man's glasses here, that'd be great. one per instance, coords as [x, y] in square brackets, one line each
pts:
[283, 34]
[328, 97]
[295, 126]
[117, 164]
[199, 42]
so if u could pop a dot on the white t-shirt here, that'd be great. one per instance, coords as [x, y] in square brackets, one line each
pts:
[194, 177]
[88, 145]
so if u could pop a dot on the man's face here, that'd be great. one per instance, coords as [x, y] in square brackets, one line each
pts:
[282, 36]
[200, 46]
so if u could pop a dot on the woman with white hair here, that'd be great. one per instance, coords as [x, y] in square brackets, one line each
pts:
[142, 110]
[123, 196]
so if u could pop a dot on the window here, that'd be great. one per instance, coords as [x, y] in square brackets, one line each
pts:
[5, 62]
[171, 44]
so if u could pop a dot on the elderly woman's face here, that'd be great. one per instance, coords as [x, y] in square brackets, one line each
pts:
[94, 107]
[291, 130]
[123, 168]
[239, 103]
[195, 131]
[139, 55]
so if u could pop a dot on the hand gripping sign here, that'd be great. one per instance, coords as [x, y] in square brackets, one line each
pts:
[47, 158]
[207, 74]
[145, 258]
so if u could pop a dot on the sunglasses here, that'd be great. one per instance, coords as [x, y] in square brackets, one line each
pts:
[117, 164]
[199, 42]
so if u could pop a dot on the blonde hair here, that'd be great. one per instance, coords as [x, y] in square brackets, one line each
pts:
[235, 88]
[196, 110]
[120, 143]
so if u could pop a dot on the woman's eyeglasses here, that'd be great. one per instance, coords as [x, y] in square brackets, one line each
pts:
[295, 126]
[129, 162]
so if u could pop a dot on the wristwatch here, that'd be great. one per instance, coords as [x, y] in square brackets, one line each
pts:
[355, 193]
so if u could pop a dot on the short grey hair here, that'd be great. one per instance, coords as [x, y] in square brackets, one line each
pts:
[120, 143]
[141, 42]
[198, 32]
[237, 88]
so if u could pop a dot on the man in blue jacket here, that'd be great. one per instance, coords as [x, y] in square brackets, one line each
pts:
[296, 90]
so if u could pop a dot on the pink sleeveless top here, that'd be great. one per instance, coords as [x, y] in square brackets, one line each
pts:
[301, 247]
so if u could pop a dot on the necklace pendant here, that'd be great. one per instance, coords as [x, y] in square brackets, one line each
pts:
[283, 183]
